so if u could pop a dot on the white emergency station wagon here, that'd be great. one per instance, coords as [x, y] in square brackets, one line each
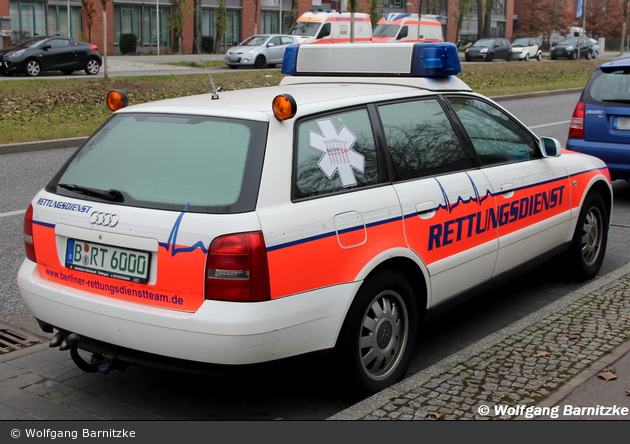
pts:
[336, 211]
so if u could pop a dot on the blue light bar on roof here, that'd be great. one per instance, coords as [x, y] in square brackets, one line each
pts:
[379, 59]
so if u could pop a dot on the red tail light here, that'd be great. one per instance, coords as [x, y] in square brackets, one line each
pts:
[29, 244]
[94, 48]
[237, 268]
[576, 129]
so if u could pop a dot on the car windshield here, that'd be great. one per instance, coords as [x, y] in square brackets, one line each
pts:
[168, 161]
[521, 42]
[304, 28]
[385, 30]
[257, 40]
[483, 43]
[571, 41]
[32, 43]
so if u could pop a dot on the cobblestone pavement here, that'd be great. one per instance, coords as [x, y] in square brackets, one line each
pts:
[521, 365]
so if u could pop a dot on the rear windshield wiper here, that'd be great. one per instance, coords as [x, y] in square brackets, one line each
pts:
[111, 195]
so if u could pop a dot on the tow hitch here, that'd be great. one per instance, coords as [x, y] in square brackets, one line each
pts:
[99, 363]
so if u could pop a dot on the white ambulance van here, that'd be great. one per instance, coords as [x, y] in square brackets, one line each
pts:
[404, 28]
[329, 26]
[368, 191]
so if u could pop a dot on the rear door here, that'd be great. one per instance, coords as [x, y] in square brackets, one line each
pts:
[445, 203]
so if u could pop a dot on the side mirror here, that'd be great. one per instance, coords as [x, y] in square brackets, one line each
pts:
[46, 47]
[550, 147]
[269, 45]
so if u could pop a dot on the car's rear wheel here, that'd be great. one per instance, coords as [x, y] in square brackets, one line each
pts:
[590, 238]
[32, 68]
[539, 57]
[92, 67]
[260, 62]
[376, 341]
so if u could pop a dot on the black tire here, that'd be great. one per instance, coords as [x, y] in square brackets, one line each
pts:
[376, 342]
[68, 71]
[32, 68]
[260, 62]
[553, 57]
[468, 59]
[526, 57]
[490, 57]
[539, 57]
[589, 55]
[92, 67]
[590, 239]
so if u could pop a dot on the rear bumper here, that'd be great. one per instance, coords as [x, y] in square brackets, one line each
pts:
[218, 333]
[616, 155]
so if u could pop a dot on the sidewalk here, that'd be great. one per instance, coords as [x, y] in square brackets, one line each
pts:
[551, 359]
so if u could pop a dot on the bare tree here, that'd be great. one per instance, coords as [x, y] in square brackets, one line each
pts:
[461, 15]
[88, 10]
[197, 30]
[104, 5]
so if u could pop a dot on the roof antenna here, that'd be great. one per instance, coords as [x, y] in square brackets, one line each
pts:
[215, 90]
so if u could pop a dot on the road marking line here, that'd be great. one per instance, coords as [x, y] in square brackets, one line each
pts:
[12, 213]
[549, 124]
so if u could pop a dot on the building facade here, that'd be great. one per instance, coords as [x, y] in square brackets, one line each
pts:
[149, 19]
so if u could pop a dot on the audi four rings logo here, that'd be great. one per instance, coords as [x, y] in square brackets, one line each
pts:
[105, 219]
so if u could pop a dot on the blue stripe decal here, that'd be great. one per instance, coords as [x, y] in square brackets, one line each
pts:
[475, 198]
[43, 224]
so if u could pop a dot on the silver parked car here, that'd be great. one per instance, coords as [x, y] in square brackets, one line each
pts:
[260, 51]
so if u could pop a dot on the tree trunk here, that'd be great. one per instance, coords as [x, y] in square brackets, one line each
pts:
[479, 19]
[196, 49]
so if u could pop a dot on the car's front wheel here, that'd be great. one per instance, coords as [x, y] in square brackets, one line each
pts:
[92, 67]
[260, 62]
[376, 341]
[590, 238]
[32, 68]
[490, 57]
[526, 57]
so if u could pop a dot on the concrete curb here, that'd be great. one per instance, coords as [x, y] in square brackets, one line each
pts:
[377, 401]
[42, 145]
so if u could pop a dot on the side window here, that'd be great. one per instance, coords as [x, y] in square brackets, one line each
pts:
[286, 40]
[421, 140]
[275, 41]
[325, 31]
[59, 43]
[334, 152]
[404, 32]
[495, 136]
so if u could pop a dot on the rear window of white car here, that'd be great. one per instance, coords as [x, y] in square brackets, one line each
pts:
[166, 161]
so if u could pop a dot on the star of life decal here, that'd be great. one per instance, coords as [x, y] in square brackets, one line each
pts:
[338, 154]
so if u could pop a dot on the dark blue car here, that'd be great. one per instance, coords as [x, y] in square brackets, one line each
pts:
[600, 125]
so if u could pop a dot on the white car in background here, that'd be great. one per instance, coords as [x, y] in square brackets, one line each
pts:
[596, 48]
[260, 51]
[526, 48]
